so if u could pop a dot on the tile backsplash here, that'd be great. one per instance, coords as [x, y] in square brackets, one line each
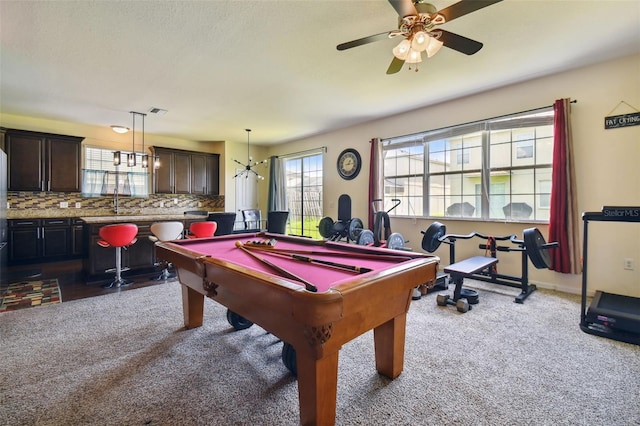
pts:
[51, 204]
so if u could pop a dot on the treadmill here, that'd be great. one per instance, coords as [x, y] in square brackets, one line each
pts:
[610, 315]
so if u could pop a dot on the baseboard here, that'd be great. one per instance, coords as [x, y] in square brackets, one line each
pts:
[561, 288]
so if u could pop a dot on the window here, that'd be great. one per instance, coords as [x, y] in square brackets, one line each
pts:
[102, 178]
[496, 169]
[304, 193]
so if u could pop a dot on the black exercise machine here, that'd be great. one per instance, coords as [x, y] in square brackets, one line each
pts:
[381, 236]
[610, 315]
[345, 227]
[532, 246]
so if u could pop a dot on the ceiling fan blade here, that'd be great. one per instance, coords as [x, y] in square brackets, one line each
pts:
[459, 43]
[464, 7]
[404, 7]
[395, 65]
[363, 40]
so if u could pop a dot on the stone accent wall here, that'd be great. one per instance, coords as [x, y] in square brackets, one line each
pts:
[47, 204]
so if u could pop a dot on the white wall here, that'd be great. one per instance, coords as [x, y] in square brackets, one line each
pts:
[607, 166]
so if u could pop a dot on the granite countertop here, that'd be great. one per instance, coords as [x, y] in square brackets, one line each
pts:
[100, 215]
[139, 218]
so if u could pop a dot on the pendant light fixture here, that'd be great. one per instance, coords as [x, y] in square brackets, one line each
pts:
[132, 156]
[248, 168]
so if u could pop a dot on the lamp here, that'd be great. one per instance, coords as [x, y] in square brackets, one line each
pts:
[402, 49]
[145, 156]
[248, 168]
[434, 46]
[419, 37]
[132, 156]
[119, 129]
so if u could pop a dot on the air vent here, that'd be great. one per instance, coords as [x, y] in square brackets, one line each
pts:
[158, 111]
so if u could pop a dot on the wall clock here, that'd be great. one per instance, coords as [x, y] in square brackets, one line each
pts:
[349, 164]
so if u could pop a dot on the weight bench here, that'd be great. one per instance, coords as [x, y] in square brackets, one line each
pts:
[463, 298]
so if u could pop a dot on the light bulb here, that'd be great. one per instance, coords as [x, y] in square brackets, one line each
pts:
[433, 47]
[402, 50]
[413, 57]
[420, 41]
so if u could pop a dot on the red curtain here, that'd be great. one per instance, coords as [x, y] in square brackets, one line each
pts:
[375, 177]
[563, 220]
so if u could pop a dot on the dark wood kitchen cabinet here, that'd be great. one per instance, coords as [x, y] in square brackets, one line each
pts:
[186, 172]
[174, 174]
[43, 161]
[77, 238]
[139, 257]
[41, 240]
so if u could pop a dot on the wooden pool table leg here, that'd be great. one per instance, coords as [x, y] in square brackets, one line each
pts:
[389, 346]
[317, 388]
[192, 307]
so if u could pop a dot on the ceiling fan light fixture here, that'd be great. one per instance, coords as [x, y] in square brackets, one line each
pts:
[401, 51]
[433, 47]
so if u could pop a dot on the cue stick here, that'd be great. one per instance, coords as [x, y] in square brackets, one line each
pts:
[341, 266]
[334, 253]
[277, 268]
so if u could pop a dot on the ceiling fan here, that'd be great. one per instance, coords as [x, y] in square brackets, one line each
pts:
[418, 24]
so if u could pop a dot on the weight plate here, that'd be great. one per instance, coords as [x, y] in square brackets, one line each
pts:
[431, 239]
[471, 296]
[355, 228]
[238, 322]
[533, 242]
[395, 241]
[289, 358]
[326, 227]
[366, 238]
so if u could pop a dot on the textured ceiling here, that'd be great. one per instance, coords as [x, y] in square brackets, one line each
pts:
[219, 67]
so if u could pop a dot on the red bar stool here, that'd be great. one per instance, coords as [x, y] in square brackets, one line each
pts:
[118, 236]
[202, 229]
[166, 231]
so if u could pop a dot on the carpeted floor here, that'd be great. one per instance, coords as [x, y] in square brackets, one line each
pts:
[125, 359]
[28, 294]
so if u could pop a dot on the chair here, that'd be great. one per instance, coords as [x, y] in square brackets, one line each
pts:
[252, 219]
[202, 229]
[225, 221]
[277, 222]
[166, 231]
[460, 209]
[517, 211]
[118, 236]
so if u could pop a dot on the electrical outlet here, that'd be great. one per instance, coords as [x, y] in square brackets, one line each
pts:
[78, 205]
[175, 201]
[64, 204]
[161, 204]
[629, 264]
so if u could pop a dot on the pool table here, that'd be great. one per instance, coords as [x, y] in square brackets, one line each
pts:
[314, 322]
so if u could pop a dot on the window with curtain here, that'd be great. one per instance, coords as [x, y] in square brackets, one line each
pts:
[303, 176]
[494, 169]
[102, 178]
